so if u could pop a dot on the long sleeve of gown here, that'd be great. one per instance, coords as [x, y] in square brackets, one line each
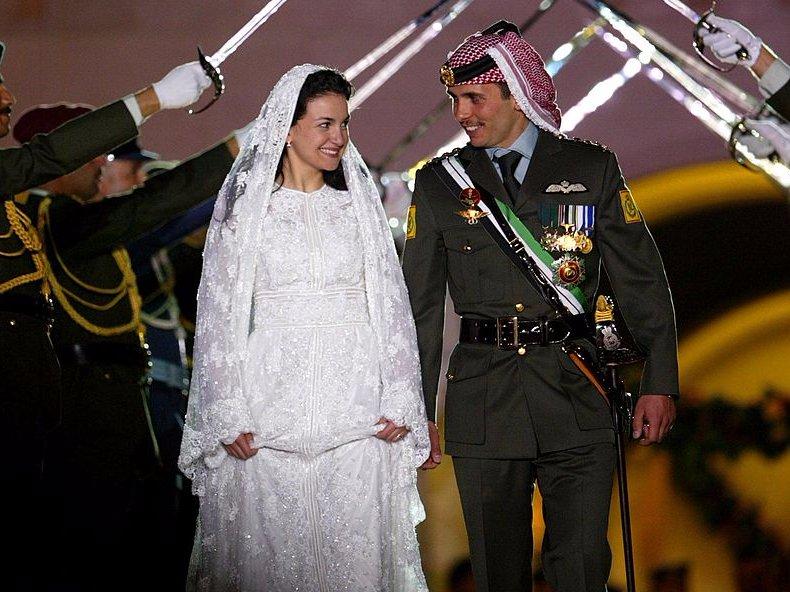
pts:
[217, 412]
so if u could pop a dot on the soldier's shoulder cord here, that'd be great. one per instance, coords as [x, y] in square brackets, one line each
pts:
[25, 230]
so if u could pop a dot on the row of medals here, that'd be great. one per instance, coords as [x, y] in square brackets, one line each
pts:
[569, 267]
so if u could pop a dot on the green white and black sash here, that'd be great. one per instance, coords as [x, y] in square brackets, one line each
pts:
[515, 239]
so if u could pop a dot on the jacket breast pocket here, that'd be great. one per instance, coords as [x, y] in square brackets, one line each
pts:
[464, 405]
[474, 271]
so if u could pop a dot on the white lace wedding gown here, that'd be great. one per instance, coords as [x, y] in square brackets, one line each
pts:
[324, 506]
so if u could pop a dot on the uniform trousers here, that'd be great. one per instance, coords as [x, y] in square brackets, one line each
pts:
[496, 496]
[95, 469]
[29, 409]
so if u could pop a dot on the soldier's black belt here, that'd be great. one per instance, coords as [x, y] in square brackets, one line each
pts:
[511, 333]
[103, 354]
[38, 307]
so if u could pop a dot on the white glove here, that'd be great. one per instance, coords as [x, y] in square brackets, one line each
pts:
[728, 39]
[182, 86]
[243, 133]
[774, 137]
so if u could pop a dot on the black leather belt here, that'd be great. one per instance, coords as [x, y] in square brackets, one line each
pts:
[511, 333]
[102, 354]
[39, 307]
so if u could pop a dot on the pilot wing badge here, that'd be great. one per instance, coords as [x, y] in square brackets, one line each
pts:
[565, 187]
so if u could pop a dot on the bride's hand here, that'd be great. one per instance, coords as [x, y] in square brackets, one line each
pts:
[392, 432]
[241, 448]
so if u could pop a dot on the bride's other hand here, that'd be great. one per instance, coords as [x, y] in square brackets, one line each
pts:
[392, 432]
[241, 447]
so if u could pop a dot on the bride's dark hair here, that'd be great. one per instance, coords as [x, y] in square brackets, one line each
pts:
[317, 84]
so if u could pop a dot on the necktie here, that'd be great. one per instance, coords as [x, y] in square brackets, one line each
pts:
[507, 166]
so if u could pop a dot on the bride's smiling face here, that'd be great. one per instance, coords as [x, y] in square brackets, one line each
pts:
[320, 137]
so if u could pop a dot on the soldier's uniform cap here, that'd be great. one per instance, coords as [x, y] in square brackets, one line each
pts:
[42, 119]
[500, 54]
[132, 151]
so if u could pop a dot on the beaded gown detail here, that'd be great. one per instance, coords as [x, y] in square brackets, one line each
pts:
[304, 338]
[314, 509]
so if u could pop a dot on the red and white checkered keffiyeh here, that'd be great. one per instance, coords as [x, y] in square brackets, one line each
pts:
[520, 67]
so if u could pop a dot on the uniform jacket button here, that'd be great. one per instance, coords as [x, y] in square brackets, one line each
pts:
[519, 307]
[450, 376]
[521, 351]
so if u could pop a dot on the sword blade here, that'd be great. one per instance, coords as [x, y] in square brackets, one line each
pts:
[684, 9]
[244, 33]
[391, 41]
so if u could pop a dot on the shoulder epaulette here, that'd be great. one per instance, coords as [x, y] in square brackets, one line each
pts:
[586, 142]
[438, 159]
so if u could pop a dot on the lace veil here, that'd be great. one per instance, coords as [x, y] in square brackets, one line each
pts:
[218, 410]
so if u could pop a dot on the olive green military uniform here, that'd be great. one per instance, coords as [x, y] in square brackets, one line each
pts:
[780, 101]
[26, 389]
[513, 417]
[29, 390]
[103, 448]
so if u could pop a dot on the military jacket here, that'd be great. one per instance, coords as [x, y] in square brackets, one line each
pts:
[44, 158]
[780, 101]
[500, 403]
[92, 282]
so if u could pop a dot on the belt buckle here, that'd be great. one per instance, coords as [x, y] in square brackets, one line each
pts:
[501, 323]
[550, 324]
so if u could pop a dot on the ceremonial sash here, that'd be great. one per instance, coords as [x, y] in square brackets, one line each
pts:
[504, 224]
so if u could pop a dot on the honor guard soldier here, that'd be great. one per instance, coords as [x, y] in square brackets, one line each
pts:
[517, 410]
[732, 43]
[170, 505]
[103, 448]
[29, 403]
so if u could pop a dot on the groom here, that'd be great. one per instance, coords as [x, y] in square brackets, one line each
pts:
[517, 410]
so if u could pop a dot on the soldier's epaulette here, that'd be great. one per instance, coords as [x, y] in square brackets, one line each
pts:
[586, 142]
[21, 198]
[441, 157]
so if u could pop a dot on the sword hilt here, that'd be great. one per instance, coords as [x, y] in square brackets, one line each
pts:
[216, 77]
[699, 44]
[739, 130]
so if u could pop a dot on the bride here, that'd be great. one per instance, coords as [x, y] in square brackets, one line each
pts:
[305, 422]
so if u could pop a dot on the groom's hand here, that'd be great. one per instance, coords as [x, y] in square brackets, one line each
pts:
[435, 459]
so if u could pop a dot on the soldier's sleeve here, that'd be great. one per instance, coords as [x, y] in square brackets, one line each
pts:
[119, 220]
[780, 101]
[49, 156]
[425, 270]
[775, 85]
[640, 284]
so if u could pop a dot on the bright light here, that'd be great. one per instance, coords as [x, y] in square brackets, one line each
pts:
[631, 68]
[599, 95]
[615, 42]
[562, 52]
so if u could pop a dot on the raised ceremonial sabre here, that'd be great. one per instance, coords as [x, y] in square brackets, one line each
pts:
[700, 22]
[211, 63]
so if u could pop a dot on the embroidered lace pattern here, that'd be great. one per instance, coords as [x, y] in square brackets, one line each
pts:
[304, 338]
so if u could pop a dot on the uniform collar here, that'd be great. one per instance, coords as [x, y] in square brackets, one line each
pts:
[524, 144]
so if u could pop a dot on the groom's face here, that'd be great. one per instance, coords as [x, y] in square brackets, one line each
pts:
[488, 117]
[320, 137]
